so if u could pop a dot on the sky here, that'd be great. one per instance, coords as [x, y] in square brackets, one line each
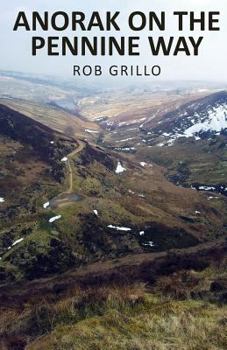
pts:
[210, 65]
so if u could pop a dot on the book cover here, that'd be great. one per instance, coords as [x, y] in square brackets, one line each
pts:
[113, 175]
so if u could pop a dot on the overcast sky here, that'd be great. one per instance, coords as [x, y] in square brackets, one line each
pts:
[15, 53]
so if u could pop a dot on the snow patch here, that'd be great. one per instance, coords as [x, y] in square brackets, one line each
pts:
[216, 120]
[17, 241]
[54, 218]
[126, 149]
[211, 197]
[207, 188]
[64, 159]
[119, 228]
[130, 191]
[91, 131]
[2, 200]
[149, 244]
[46, 205]
[125, 140]
[120, 169]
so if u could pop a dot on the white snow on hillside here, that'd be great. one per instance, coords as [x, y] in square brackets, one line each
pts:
[119, 228]
[126, 149]
[17, 241]
[91, 131]
[120, 169]
[125, 140]
[54, 218]
[216, 120]
[149, 244]
[141, 195]
[213, 120]
[207, 188]
[46, 205]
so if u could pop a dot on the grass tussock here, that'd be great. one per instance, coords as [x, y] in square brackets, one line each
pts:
[128, 318]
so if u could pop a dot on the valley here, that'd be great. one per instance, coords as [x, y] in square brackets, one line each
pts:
[113, 205]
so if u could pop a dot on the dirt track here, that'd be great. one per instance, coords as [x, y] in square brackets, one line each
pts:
[70, 171]
[63, 198]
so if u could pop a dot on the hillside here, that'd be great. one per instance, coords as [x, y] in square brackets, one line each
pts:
[191, 144]
[31, 169]
[199, 119]
[102, 206]
[52, 116]
[95, 239]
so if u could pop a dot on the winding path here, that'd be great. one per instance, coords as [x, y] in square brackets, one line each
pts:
[64, 197]
[70, 171]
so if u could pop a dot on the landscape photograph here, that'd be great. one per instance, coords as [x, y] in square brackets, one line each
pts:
[113, 198]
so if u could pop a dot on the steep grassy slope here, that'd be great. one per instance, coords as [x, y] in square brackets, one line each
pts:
[52, 116]
[181, 308]
[153, 323]
[31, 171]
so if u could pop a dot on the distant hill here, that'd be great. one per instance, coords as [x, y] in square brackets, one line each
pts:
[201, 118]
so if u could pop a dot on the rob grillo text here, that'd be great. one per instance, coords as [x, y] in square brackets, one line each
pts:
[117, 70]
